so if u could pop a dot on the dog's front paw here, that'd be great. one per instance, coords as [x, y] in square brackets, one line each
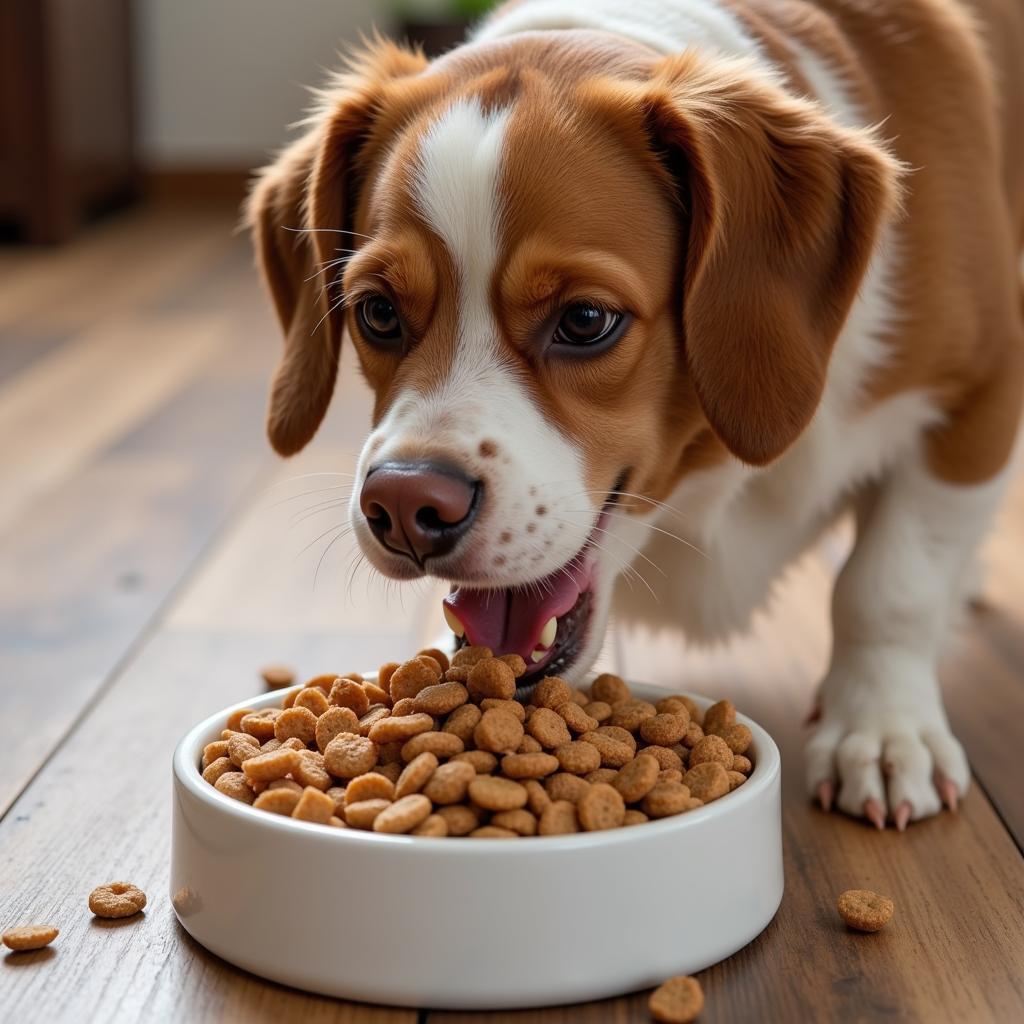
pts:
[883, 747]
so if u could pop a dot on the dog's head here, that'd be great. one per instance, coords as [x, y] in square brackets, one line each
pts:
[572, 275]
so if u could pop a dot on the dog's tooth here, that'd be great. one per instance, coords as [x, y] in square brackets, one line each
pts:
[547, 634]
[453, 621]
[538, 655]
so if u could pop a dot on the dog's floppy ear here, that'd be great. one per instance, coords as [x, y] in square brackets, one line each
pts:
[784, 210]
[300, 211]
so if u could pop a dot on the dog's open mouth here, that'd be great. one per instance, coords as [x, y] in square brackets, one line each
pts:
[545, 622]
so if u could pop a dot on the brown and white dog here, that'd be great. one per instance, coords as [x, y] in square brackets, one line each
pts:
[713, 268]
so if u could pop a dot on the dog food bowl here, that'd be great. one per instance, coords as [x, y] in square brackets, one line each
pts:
[474, 924]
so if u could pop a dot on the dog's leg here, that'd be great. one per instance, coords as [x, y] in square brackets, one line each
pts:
[883, 744]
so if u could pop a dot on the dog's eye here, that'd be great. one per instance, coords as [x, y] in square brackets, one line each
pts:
[379, 321]
[583, 323]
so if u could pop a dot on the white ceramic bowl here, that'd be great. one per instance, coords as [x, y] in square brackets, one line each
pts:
[474, 924]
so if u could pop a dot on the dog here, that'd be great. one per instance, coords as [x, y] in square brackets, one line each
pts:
[676, 282]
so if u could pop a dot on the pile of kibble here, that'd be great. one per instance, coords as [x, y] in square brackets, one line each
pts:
[438, 749]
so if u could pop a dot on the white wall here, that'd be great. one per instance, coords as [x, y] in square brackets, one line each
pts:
[220, 80]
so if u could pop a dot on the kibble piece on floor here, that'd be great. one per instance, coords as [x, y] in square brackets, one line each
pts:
[277, 677]
[30, 936]
[677, 1001]
[864, 910]
[116, 899]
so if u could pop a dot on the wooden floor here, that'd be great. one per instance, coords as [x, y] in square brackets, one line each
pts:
[153, 554]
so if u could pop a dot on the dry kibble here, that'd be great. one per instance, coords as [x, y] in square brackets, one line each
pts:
[636, 779]
[234, 722]
[311, 771]
[558, 818]
[116, 899]
[707, 781]
[403, 815]
[694, 734]
[449, 783]
[483, 761]
[411, 677]
[609, 688]
[548, 728]
[493, 832]
[440, 744]
[529, 766]
[384, 674]
[274, 764]
[212, 772]
[670, 775]
[297, 722]
[370, 719]
[371, 786]
[665, 799]
[438, 655]
[741, 764]
[333, 722]
[460, 819]
[551, 692]
[578, 758]
[462, 721]
[490, 677]
[718, 716]
[312, 699]
[566, 787]
[260, 723]
[513, 707]
[390, 753]
[441, 698]
[711, 748]
[314, 805]
[346, 693]
[467, 657]
[677, 1001]
[634, 817]
[631, 714]
[737, 737]
[213, 751]
[520, 821]
[347, 756]
[322, 682]
[29, 936]
[362, 814]
[735, 779]
[614, 754]
[601, 775]
[433, 825]
[528, 745]
[514, 662]
[620, 735]
[864, 910]
[392, 770]
[601, 807]
[498, 731]
[664, 729]
[576, 718]
[496, 794]
[400, 729]
[236, 786]
[279, 801]
[242, 746]
[414, 776]
[598, 710]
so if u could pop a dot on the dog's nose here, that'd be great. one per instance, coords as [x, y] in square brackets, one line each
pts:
[418, 508]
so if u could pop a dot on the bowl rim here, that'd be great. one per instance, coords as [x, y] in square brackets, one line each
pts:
[185, 764]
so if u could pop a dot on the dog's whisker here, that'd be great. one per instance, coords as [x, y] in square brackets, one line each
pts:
[636, 551]
[320, 562]
[322, 506]
[316, 540]
[643, 525]
[306, 494]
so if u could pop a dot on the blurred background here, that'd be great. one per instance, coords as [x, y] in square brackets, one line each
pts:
[105, 101]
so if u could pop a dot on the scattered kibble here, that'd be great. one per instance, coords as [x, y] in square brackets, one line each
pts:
[30, 936]
[864, 910]
[677, 1001]
[116, 899]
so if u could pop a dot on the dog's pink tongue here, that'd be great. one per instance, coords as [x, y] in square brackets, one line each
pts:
[511, 621]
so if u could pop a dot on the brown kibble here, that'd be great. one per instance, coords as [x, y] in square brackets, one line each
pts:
[333, 722]
[559, 818]
[614, 754]
[620, 735]
[711, 748]
[236, 786]
[213, 751]
[496, 794]
[536, 796]
[376, 694]
[414, 776]
[390, 753]
[398, 730]
[297, 721]
[670, 775]
[371, 718]
[736, 779]
[438, 655]
[116, 899]
[637, 778]
[737, 737]
[634, 817]
[528, 745]
[468, 656]
[694, 734]
[601, 775]
[601, 807]
[631, 714]
[313, 700]
[242, 746]
[665, 756]
[261, 723]
[314, 805]
[864, 910]
[566, 787]
[346, 693]
[718, 716]
[514, 662]
[520, 821]
[548, 728]
[462, 721]
[707, 781]
[513, 707]
[347, 756]
[674, 706]
[498, 731]
[322, 682]
[212, 772]
[392, 770]
[490, 677]
[578, 758]
[664, 729]
[403, 815]
[384, 674]
[665, 799]
[677, 1001]
[433, 825]
[411, 677]
[598, 710]
[336, 822]
[460, 819]
[441, 698]
[528, 766]
[363, 814]
[440, 744]
[273, 765]
[493, 832]
[742, 764]
[311, 771]
[370, 786]
[576, 718]
[449, 783]
[551, 692]
[29, 936]
[279, 801]
[235, 718]
[483, 761]
[609, 688]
